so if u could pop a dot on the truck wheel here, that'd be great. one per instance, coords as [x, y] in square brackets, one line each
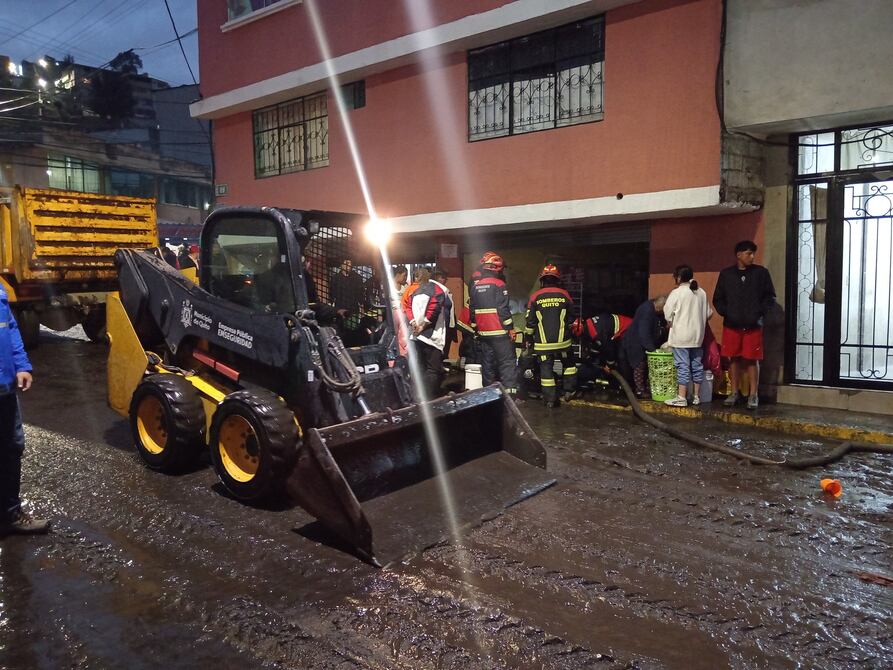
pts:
[29, 326]
[94, 325]
[167, 421]
[254, 441]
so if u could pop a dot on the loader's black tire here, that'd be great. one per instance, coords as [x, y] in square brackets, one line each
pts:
[28, 321]
[94, 325]
[254, 443]
[167, 421]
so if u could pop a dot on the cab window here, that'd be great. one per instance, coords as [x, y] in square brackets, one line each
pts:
[247, 263]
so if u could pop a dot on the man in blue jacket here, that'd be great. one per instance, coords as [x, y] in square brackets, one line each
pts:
[15, 374]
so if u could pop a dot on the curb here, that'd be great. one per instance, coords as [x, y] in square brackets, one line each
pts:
[776, 423]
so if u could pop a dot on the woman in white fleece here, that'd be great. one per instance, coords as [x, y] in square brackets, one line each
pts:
[687, 311]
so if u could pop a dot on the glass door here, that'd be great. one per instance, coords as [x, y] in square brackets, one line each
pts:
[840, 275]
[866, 301]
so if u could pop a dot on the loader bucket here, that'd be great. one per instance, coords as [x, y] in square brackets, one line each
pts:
[372, 481]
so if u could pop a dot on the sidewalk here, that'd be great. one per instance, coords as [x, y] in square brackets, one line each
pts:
[791, 419]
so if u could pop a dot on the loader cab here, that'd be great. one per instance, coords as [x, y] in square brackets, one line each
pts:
[251, 257]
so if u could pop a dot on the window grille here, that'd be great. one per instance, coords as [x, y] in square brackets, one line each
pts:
[238, 8]
[291, 136]
[545, 80]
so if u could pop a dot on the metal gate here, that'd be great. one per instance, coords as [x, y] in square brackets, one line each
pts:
[840, 269]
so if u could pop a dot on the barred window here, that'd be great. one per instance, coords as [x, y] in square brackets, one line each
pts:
[238, 8]
[545, 80]
[291, 136]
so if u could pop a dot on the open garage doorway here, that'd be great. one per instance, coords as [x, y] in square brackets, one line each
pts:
[604, 268]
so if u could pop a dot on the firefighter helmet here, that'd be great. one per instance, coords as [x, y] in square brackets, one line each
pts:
[577, 327]
[492, 261]
[550, 271]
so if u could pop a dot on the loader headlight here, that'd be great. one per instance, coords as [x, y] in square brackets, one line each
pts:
[378, 231]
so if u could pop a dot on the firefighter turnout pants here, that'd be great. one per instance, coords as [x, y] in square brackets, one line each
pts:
[548, 382]
[498, 361]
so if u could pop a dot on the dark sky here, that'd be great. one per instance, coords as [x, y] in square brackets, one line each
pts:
[94, 31]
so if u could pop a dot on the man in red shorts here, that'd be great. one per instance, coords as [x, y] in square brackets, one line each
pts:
[744, 294]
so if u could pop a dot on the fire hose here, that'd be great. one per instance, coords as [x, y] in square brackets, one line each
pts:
[797, 464]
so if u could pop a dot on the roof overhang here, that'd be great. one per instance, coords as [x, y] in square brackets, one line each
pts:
[676, 203]
[511, 20]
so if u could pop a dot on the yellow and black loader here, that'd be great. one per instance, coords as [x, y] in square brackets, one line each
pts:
[241, 363]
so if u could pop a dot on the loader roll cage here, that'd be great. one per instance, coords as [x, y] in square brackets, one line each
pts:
[278, 260]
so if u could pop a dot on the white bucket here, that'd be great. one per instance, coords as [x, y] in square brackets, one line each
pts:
[473, 378]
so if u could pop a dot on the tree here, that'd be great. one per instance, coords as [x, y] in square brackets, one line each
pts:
[126, 62]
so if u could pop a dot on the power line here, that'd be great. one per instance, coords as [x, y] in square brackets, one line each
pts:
[46, 166]
[180, 42]
[164, 44]
[12, 109]
[89, 26]
[39, 21]
[43, 43]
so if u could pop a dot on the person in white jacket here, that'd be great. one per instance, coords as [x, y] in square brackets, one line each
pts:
[687, 311]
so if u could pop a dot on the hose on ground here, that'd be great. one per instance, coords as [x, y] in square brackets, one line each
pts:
[834, 455]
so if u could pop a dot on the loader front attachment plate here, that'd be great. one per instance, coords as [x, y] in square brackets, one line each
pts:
[373, 481]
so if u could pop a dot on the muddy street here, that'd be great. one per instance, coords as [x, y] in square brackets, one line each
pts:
[647, 554]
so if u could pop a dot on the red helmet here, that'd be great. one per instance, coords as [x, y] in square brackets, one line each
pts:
[492, 261]
[577, 327]
[550, 271]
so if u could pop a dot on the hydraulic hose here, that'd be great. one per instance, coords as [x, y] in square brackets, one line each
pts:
[834, 455]
[336, 356]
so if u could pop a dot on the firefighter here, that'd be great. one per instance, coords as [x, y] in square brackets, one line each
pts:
[468, 347]
[491, 318]
[601, 334]
[548, 329]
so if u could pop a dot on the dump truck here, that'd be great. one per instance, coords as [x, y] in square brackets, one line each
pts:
[57, 254]
[243, 367]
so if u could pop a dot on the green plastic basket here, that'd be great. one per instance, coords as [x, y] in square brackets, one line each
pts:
[661, 375]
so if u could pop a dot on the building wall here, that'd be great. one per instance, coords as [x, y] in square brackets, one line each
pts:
[350, 26]
[660, 129]
[829, 62]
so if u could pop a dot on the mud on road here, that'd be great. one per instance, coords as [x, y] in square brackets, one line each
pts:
[647, 554]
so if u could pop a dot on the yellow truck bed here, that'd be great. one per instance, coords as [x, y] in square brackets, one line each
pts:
[64, 236]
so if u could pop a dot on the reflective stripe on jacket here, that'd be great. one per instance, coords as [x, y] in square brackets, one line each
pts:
[602, 328]
[549, 319]
[491, 315]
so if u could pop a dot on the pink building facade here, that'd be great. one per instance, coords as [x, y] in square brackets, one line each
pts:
[581, 132]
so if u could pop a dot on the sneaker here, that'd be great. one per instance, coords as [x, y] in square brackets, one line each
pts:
[678, 401]
[24, 524]
[753, 402]
[732, 399]
[696, 400]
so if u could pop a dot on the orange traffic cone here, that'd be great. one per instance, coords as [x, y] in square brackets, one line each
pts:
[832, 487]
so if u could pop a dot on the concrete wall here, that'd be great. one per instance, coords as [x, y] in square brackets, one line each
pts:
[660, 131]
[794, 65]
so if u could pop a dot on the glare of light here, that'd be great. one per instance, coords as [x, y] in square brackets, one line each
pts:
[42, 83]
[11, 67]
[50, 172]
[42, 62]
[207, 205]
[378, 231]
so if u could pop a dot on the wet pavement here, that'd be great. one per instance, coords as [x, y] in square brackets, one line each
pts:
[647, 553]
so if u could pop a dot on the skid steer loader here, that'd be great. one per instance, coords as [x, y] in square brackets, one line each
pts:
[242, 363]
